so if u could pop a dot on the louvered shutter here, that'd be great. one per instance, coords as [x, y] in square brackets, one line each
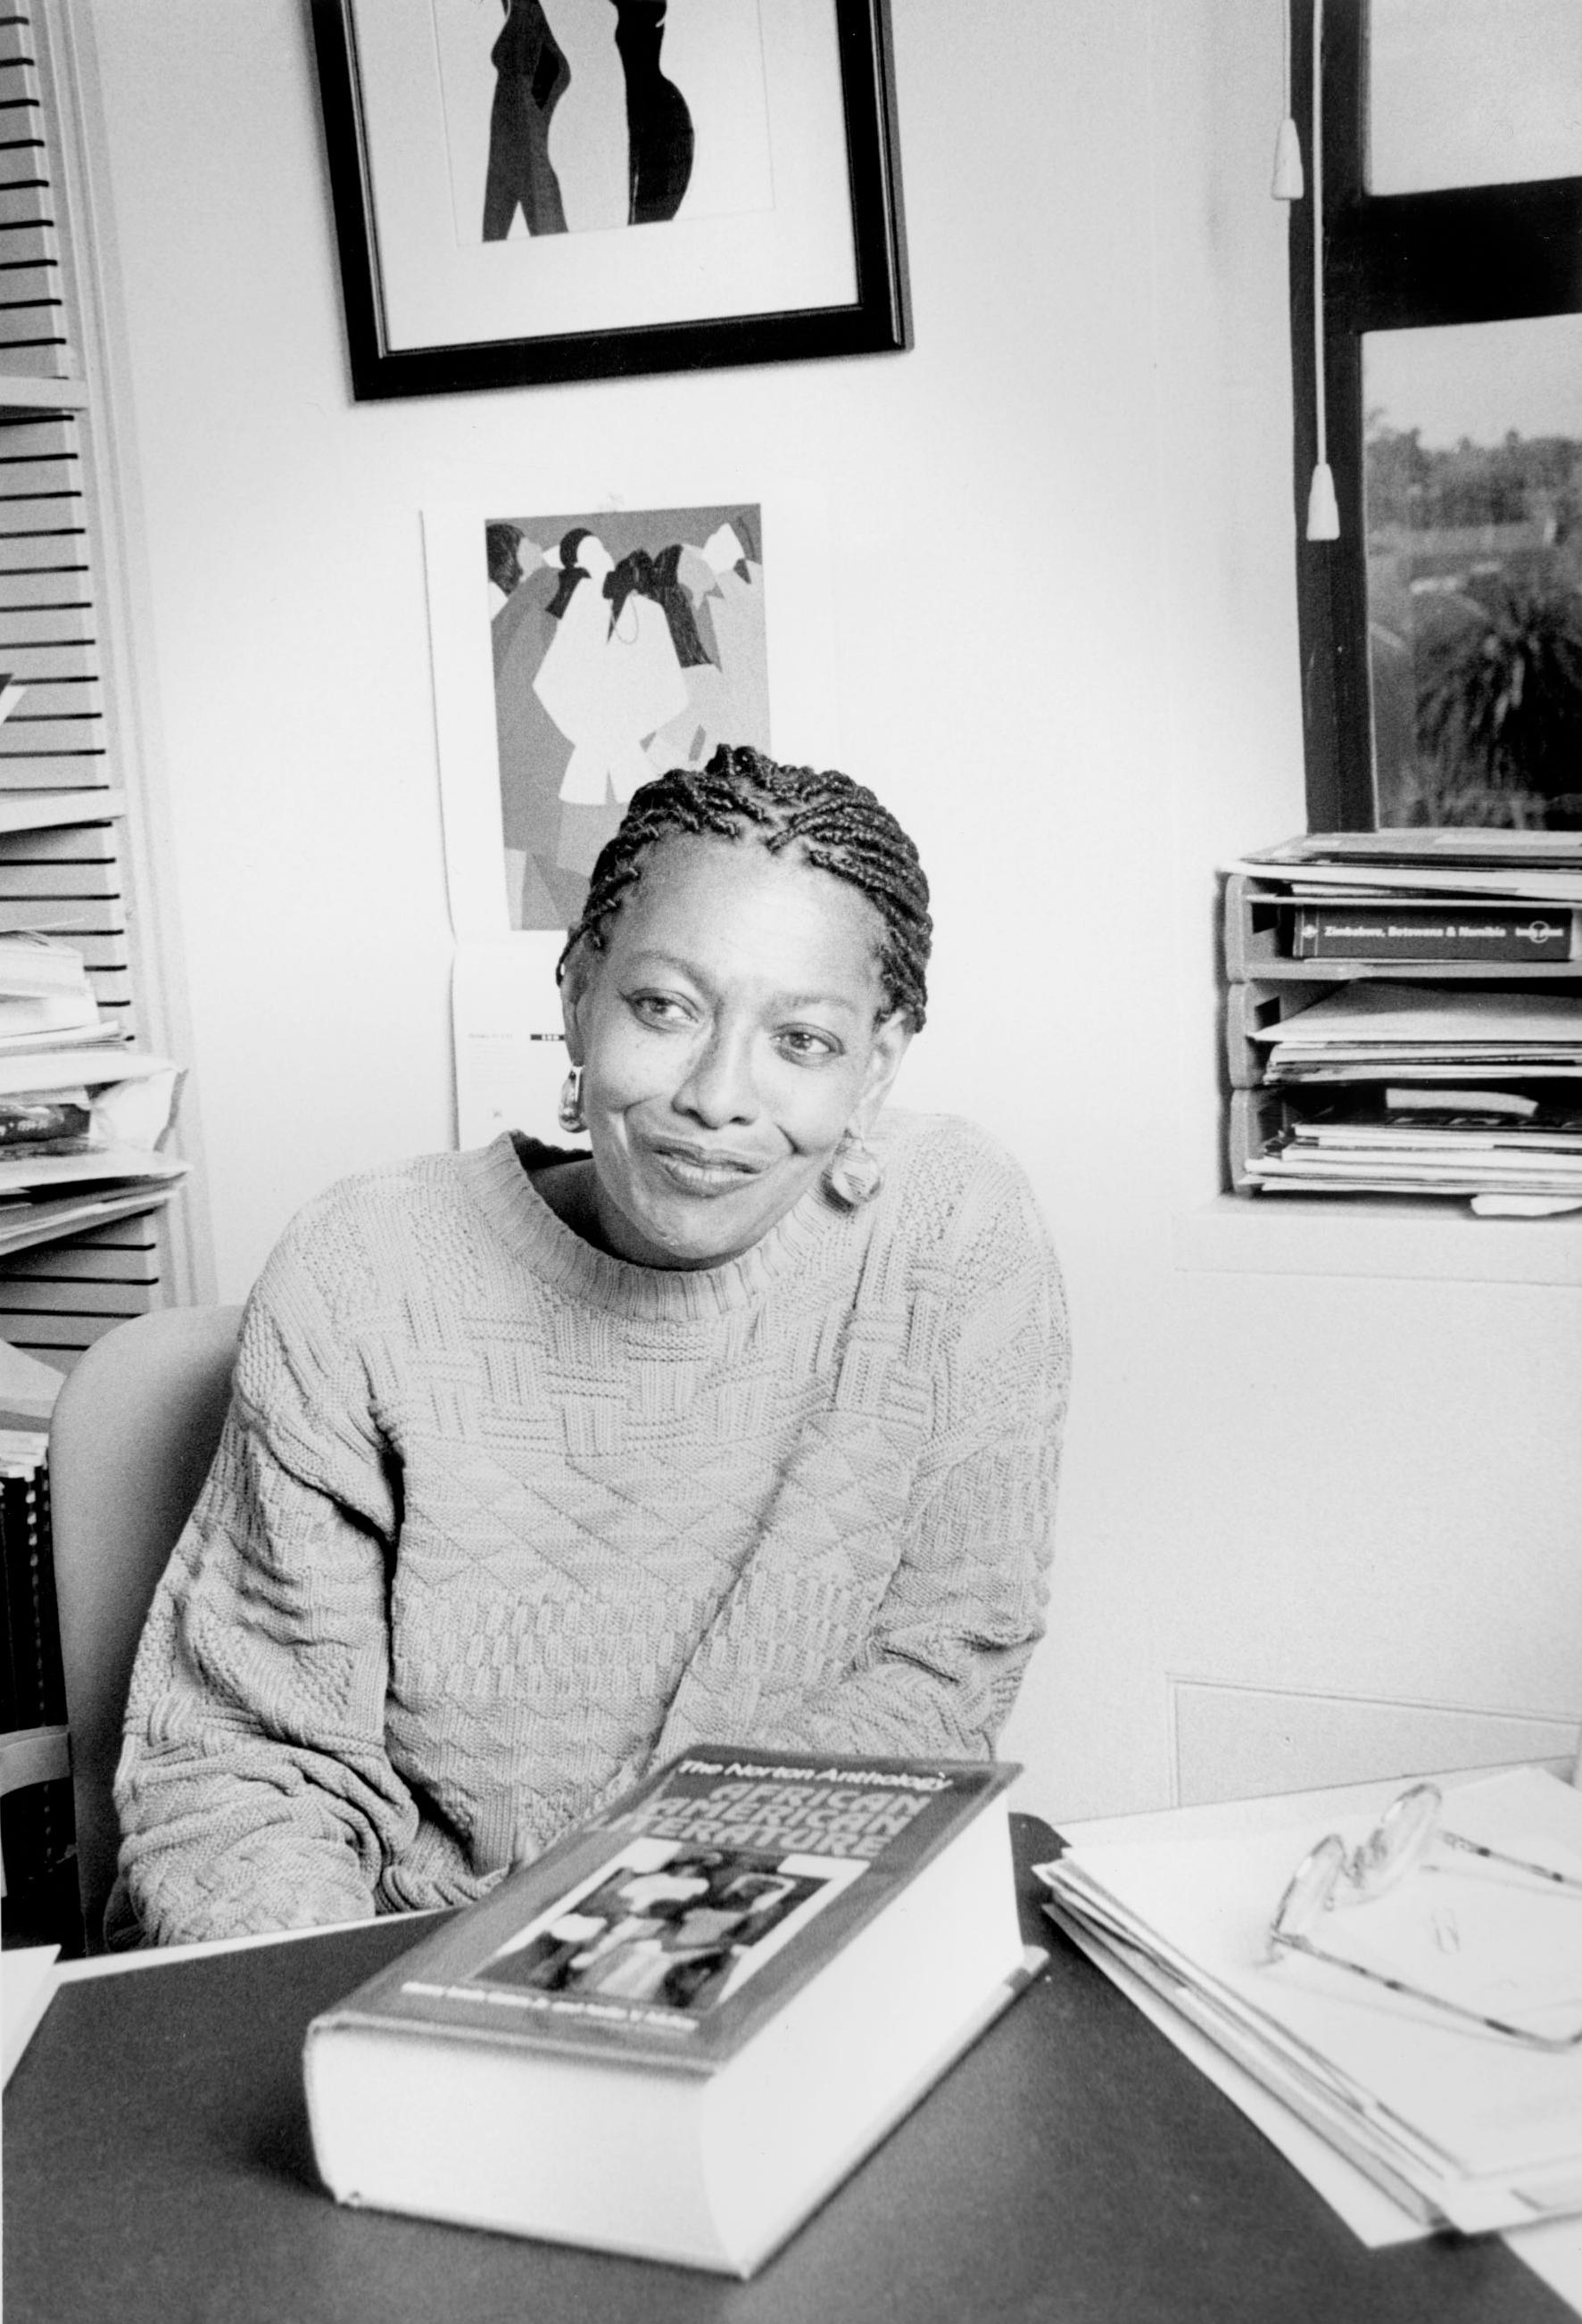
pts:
[59, 872]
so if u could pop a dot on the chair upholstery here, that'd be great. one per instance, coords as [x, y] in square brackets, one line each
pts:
[134, 1432]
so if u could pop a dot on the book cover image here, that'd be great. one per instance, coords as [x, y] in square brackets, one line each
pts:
[672, 1927]
[670, 1924]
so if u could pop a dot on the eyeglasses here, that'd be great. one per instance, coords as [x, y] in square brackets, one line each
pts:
[1333, 1874]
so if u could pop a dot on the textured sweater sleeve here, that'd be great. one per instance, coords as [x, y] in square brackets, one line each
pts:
[962, 1603]
[254, 1791]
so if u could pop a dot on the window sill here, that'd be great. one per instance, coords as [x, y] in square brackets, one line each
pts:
[1348, 1234]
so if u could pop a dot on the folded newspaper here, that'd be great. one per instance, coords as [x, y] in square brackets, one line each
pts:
[1464, 2126]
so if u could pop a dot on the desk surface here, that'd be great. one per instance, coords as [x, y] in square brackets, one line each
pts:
[1072, 2166]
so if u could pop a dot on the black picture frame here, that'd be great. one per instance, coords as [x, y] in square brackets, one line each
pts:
[876, 322]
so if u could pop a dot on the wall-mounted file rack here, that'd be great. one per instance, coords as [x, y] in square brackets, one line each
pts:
[1265, 982]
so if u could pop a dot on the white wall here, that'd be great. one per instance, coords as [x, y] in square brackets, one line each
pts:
[1064, 607]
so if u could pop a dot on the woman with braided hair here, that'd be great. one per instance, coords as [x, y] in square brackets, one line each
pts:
[737, 1420]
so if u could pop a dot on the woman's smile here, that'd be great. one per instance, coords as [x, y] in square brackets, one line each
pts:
[701, 1170]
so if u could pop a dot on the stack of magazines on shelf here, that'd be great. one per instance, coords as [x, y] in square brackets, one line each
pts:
[1394, 1087]
[1404, 1016]
[82, 1113]
[1481, 1143]
[1405, 1984]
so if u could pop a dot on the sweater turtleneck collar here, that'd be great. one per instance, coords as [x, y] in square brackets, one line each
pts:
[501, 1176]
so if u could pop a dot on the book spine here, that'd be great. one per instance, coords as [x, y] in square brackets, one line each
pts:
[39, 1819]
[11, 1646]
[1333, 932]
[37, 1688]
[19, 1602]
[51, 1663]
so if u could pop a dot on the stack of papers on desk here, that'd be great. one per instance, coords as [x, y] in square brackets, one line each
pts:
[1462, 2127]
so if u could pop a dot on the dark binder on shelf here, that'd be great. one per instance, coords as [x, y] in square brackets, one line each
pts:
[1270, 933]
[1427, 933]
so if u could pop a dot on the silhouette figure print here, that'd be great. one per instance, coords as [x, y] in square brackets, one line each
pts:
[533, 73]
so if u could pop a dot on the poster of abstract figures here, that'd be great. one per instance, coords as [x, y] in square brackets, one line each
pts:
[573, 116]
[624, 644]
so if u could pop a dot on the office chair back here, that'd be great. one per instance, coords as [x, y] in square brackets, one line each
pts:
[134, 1432]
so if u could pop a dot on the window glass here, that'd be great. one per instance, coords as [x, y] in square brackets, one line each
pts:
[1473, 92]
[1473, 480]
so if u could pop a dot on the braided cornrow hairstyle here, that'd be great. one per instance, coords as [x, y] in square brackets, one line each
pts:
[838, 825]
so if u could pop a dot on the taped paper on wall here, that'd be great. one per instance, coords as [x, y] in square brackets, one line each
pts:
[510, 1049]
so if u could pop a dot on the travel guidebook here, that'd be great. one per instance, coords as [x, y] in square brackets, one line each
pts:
[676, 2030]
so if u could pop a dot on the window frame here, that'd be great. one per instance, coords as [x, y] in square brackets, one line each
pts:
[1391, 262]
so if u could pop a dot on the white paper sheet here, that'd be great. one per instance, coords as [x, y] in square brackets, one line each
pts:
[22, 1172]
[92, 1066]
[27, 1983]
[510, 1049]
[1417, 1013]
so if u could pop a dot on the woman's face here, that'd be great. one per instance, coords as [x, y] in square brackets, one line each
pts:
[729, 1035]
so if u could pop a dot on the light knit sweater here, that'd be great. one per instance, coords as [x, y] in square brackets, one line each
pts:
[498, 1520]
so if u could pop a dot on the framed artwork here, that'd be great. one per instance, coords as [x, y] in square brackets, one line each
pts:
[528, 190]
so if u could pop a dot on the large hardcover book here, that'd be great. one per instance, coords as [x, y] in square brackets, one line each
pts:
[678, 2029]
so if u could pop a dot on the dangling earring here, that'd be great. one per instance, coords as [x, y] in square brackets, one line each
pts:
[569, 1112]
[853, 1173]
